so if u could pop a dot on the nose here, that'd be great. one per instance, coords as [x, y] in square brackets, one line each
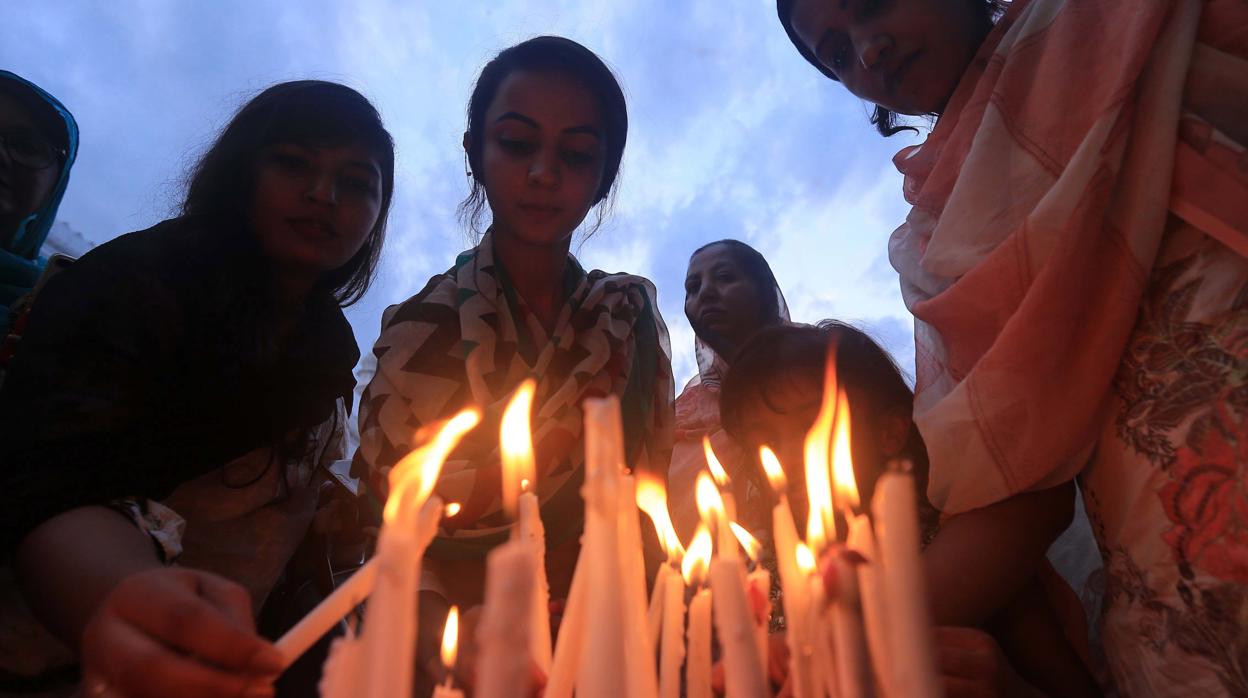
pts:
[544, 171]
[322, 190]
[872, 50]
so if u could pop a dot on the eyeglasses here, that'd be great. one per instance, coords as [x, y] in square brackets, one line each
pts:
[30, 151]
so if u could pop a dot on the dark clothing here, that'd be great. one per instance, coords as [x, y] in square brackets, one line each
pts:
[152, 361]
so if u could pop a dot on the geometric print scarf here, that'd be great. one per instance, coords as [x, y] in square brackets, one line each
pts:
[469, 339]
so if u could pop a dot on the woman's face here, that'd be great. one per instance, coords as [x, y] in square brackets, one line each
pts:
[313, 207]
[542, 156]
[904, 55]
[23, 190]
[721, 302]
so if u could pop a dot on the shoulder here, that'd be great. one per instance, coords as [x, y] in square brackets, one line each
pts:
[435, 302]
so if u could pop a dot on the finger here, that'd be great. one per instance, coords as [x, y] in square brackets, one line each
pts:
[968, 656]
[173, 614]
[136, 665]
[227, 596]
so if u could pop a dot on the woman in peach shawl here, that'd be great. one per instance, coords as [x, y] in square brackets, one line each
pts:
[1075, 263]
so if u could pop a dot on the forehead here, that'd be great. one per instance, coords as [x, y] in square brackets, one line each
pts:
[14, 114]
[810, 17]
[713, 256]
[553, 99]
[338, 154]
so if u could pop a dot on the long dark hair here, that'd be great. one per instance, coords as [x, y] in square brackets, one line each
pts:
[757, 270]
[556, 54]
[306, 112]
[884, 120]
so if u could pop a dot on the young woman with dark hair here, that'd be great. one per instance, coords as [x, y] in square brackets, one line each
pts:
[546, 130]
[1075, 261]
[176, 392]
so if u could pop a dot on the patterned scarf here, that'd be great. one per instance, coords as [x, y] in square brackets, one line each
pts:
[469, 339]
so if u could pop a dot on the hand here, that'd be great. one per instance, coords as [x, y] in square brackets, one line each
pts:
[972, 665]
[176, 632]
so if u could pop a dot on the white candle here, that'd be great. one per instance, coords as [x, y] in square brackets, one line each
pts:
[912, 660]
[338, 604]
[698, 665]
[658, 596]
[571, 640]
[760, 586]
[343, 669]
[743, 670]
[450, 647]
[825, 668]
[672, 653]
[503, 636]
[533, 534]
[639, 650]
[602, 671]
[875, 617]
[853, 668]
[445, 691]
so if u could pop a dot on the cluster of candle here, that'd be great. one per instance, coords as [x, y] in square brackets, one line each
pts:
[867, 633]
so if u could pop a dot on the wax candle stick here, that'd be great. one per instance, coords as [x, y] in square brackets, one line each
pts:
[534, 534]
[567, 657]
[844, 615]
[652, 499]
[816, 639]
[658, 596]
[694, 569]
[760, 595]
[340, 676]
[503, 636]
[672, 650]
[875, 616]
[792, 582]
[912, 659]
[602, 673]
[338, 604]
[743, 670]
[450, 647]
[639, 649]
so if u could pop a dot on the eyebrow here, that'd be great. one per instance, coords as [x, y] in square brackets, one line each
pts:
[517, 116]
[372, 167]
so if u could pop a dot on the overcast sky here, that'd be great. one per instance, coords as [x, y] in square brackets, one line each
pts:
[732, 134]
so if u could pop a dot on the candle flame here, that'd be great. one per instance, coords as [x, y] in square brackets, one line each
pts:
[519, 464]
[775, 472]
[805, 559]
[652, 499]
[450, 638]
[452, 509]
[712, 462]
[413, 477]
[820, 521]
[710, 504]
[842, 457]
[698, 557]
[752, 547]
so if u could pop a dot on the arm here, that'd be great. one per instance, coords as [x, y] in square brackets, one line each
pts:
[981, 559]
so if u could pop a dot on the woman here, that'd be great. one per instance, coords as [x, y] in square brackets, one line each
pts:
[191, 378]
[1075, 263]
[546, 130]
[730, 294]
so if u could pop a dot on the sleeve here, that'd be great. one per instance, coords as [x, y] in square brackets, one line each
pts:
[88, 413]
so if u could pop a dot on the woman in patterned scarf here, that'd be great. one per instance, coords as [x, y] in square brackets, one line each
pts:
[546, 131]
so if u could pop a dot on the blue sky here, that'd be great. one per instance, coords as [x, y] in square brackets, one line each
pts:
[731, 133]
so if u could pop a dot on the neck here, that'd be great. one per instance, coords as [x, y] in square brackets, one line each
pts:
[536, 272]
[287, 294]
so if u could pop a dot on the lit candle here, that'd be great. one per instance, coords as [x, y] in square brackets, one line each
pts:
[862, 541]
[602, 671]
[698, 664]
[821, 519]
[519, 485]
[721, 478]
[758, 585]
[792, 582]
[819, 641]
[450, 643]
[567, 657]
[744, 673]
[853, 676]
[711, 510]
[410, 521]
[672, 652]
[667, 601]
[505, 669]
[639, 649]
[912, 662]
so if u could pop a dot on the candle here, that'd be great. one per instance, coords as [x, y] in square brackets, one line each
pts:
[654, 613]
[567, 657]
[505, 668]
[853, 676]
[313, 626]
[341, 674]
[652, 499]
[672, 650]
[698, 664]
[520, 501]
[912, 661]
[450, 644]
[602, 673]
[862, 541]
[792, 583]
[743, 670]
[758, 586]
[639, 648]
[409, 523]
[818, 641]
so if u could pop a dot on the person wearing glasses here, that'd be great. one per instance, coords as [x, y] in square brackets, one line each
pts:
[38, 142]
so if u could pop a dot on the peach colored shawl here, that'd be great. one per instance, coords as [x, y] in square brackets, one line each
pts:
[1039, 203]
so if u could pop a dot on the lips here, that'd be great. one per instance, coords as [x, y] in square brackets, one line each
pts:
[312, 228]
